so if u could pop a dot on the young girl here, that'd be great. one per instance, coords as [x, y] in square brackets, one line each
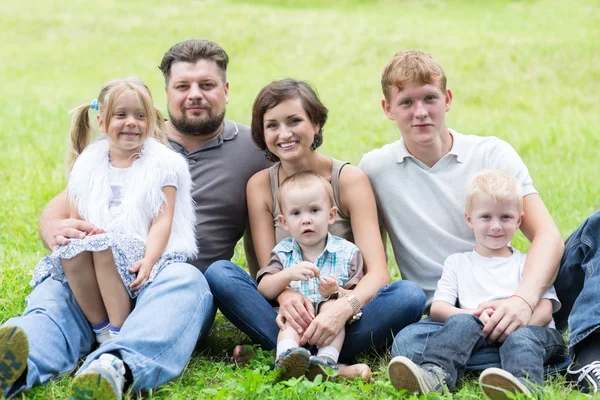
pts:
[136, 190]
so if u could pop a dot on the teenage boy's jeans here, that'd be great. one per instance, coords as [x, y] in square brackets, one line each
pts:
[523, 353]
[235, 293]
[155, 341]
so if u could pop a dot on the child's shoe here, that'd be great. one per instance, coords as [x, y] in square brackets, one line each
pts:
[102, 380]
[406, 375]
[323, 366]
[497, 384]
[292, 363]
[14, 351]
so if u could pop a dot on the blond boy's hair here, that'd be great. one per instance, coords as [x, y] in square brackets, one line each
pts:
[303, 179]
[498, 184]
[408, 67]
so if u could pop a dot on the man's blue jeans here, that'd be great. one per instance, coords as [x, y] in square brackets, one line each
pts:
[155, 341]
[523, 353]
[235, 293]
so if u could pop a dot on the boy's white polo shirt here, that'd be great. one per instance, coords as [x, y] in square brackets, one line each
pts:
[422, 208]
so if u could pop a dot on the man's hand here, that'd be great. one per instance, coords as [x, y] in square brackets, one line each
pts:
[59, 231]
[328, 285]
[143, 268]
[302, 271]
[296, 309]
[508, 316]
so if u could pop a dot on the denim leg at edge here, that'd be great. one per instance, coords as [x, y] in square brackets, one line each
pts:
[58, 333]
[578, 282]
[451, 347]
[394, 307]
[158, 337]
[525, 352]
[237, 296]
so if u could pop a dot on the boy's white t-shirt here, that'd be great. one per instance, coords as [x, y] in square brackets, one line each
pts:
[469, 279]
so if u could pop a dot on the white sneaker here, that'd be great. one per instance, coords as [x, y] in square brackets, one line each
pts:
[103, 379]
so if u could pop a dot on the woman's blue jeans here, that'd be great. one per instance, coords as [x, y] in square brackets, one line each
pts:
[235, 293]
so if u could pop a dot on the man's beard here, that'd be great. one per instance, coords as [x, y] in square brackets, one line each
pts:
[197, 127]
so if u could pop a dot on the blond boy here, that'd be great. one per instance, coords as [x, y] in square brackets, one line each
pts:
[492, 271]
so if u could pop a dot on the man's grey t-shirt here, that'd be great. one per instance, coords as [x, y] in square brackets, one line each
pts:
[220, 170]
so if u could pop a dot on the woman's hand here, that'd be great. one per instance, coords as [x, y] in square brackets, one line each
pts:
[295, 309]
[328, 324]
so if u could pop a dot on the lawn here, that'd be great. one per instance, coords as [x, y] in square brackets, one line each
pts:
[525, 71]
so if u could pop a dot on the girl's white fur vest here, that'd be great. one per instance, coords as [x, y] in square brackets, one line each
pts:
[89, 191]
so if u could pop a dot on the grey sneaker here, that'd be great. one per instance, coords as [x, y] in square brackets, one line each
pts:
[323, 366]
[406, 375]
[102, 380]
[14, 351]
[498, 384]
[292, 363]
[588, 377]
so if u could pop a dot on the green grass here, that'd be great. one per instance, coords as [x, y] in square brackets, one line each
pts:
[526, 71]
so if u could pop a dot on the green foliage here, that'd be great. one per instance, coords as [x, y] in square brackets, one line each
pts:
[526, 71]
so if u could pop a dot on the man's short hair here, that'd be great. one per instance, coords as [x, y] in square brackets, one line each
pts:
[192, 51]
[303, 179]
[411, 67]
[498, 184]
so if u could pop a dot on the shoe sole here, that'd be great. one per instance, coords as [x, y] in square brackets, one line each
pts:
[497, 384]
[405, 375]
[315, 370]
[92, 386]
[14, 351]
[293, 366]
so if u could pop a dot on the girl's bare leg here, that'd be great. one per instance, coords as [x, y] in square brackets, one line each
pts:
[81, 276]
[115, 296]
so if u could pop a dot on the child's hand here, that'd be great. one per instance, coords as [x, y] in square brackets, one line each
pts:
[143, 268]
[303, 271]
[328, 285]
[485, 315]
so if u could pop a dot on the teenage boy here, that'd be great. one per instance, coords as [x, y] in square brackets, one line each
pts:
[419, 184]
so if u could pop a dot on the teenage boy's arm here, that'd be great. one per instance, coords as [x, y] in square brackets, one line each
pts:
[541, 268]
[542, 315]
[56, 227]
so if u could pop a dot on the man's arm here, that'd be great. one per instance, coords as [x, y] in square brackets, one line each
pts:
[56, 227]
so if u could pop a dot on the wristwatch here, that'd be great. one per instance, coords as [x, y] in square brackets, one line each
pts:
[356, 311]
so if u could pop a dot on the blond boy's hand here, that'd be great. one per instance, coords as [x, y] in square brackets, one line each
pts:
[485, 315]
[302, 271]
[328, 285]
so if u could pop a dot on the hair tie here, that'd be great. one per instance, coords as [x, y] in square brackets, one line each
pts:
[94, 104]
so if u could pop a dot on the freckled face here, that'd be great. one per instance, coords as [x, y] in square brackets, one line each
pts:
[419, 112]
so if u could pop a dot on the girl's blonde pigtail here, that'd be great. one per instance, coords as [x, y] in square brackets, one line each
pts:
[80, 133]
